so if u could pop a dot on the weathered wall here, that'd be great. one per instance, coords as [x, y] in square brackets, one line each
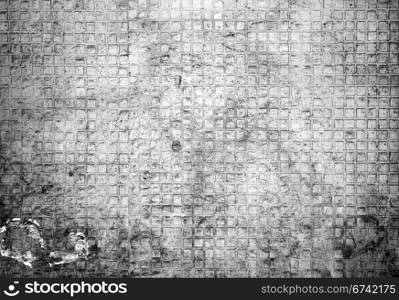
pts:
[200, 138]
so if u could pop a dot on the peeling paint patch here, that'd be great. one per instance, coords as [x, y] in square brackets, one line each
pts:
[79, 248]
[76, 247]
[31, 229]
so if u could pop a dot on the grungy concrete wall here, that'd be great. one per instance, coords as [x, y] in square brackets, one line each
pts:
[199, 138]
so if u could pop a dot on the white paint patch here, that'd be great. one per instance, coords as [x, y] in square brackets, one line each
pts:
[77, 241]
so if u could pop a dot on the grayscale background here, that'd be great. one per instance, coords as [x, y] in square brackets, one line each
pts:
[200, 138]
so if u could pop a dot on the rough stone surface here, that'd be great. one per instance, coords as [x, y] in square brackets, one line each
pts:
[235, 138]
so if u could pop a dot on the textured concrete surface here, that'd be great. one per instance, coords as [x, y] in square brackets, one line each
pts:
[251, 138]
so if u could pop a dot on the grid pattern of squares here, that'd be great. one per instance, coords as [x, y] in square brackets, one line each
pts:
[204, 138]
